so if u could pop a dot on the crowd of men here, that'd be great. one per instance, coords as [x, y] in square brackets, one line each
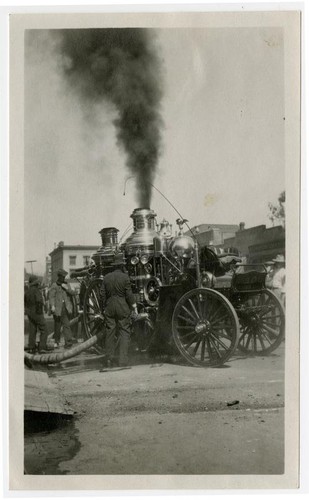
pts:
[60, 306]
[119, 308]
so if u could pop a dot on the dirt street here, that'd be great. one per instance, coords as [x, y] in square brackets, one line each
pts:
[166, 419]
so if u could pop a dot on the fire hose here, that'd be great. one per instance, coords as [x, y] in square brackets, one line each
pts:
[57, 357]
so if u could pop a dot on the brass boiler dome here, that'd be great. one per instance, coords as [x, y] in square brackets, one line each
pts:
[182, 246]
[144, 232]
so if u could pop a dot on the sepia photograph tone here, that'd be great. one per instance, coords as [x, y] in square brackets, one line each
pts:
[158, 159]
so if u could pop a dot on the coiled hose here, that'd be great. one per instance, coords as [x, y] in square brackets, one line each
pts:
[57, 357]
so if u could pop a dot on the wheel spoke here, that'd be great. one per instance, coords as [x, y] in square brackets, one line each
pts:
[93, 293]
[216, 348]
[194, 309]
[267, 300]
[203, 349]
[188, 320]
[270, 330]
[261, 340]
[219, 341]
[214, 318]
[196, 346]
[93, 306]
[276, 325]
[199, 305]
[191, 341]
[219, 325]
[273, 316]
[248, 340]
[211, 318]
[264, 334]
[187, 334]
[189, 313]
[207, 308]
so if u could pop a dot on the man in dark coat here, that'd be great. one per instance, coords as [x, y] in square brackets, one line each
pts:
[61, 307]
[34, 304]
[119, 303]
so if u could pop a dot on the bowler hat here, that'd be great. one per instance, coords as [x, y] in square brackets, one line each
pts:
[33, 280]
[280, 259]
[119, 259]
[62, 272]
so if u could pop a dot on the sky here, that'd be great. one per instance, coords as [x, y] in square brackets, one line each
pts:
[222, 157]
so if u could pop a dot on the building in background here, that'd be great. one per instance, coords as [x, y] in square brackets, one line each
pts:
[69, 257]
[213, 234]
[272, 243]
[257, 244]
[47, 273]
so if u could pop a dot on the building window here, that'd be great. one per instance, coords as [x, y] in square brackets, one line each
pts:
[86, 259]
[72, 260]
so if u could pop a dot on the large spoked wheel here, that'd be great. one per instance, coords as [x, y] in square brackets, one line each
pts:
[93, 310]
[205, 327]
[262, 323]
[74, 315]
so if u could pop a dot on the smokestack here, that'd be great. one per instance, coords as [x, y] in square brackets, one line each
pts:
[109, 237]
[121, 66]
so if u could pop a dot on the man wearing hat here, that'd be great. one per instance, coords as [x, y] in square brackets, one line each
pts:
[61, 307]
[279, 277]
[119, 303]
[34, 304]
[269, 265]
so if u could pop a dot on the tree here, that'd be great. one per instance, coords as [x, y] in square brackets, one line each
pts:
[277, 212]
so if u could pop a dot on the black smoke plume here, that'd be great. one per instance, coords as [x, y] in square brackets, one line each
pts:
[123, 67]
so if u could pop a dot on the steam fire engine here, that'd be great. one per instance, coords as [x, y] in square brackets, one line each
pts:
[190, 300]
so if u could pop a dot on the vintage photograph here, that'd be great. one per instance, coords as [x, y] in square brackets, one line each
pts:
[157, 161]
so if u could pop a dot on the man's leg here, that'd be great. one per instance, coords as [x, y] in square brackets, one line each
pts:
[124, 326]
[67, 333]
[43, 332]
[110, 329]
[32, 334]
[57, 329]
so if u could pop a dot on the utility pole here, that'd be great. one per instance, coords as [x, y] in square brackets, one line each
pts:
[31, 262]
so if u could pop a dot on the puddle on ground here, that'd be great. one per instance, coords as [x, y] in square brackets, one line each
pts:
[78, 364]
[49, 440]
[94, 362]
